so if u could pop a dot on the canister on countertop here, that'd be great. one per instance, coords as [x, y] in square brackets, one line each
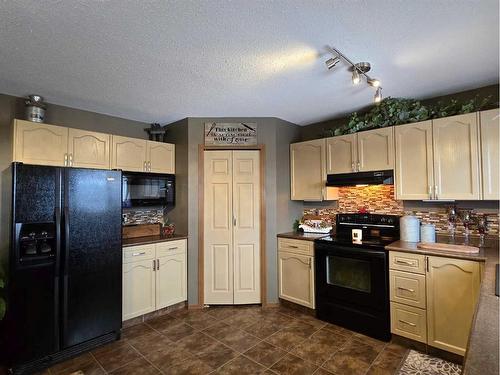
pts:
[409, 228]
[428, 233]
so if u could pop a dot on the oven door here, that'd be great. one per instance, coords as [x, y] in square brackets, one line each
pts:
[352, 288]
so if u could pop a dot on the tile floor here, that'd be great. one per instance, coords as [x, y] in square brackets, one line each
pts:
[238, 340]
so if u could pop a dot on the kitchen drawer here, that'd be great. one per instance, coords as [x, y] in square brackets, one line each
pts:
[138, 253]
[408, 321]
[170, 248]
[296, 246]
[407, 262]
[407, 288]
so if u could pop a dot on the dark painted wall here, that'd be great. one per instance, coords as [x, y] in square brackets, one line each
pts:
[316, 130]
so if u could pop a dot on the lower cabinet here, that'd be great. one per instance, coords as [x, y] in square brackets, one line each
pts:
[154, 277]
[296, 271]
[433, 304]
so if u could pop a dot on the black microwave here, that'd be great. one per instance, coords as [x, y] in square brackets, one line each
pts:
[147, 189]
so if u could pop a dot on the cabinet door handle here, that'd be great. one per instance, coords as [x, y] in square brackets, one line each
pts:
[157, 264]
[399, 261]
[430, 191]
[70, 160]
[154, 264]
[234, 221]
[407, 289]
[436, 192]
[358, 165]
[65, 160]
[427, 264]
[409, 323]
[352, 167]
[173, 248]
[149, 166]
[144, 168]
[137, 254]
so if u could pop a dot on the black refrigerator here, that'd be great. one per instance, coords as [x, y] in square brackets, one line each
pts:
[64, 290]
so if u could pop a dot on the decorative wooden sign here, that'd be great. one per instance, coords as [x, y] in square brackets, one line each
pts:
[230, 134]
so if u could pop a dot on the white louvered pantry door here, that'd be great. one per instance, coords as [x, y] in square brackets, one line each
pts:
[231, 227]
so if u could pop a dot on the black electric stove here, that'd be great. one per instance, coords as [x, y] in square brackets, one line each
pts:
[352, 277]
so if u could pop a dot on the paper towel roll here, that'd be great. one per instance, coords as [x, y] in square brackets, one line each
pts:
[409, 228]
[428, 233]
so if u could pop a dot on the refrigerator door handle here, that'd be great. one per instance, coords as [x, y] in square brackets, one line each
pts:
[65, 273]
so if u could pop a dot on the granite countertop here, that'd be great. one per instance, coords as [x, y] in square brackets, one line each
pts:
[151, 239]
[482, 356]
[302, 235]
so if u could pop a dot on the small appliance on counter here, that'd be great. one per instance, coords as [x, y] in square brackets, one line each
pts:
[409, 228]
[427, 233]
[352, 273]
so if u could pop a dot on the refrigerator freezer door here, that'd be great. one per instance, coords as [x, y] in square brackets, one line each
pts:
[32, 320]
[92, 254]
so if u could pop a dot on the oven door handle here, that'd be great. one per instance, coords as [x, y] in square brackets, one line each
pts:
[351, 252]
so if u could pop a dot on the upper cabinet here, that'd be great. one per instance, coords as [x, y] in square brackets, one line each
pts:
[489, 126]
[138, 155]
[456, 157]
[375, 150]
[42, 144]
[88, 149]
[58, 146]
[342, 154]
[451, 158]
[161, 157]
[371, 150]
[129, 154]
[308, 170]
[414, 164]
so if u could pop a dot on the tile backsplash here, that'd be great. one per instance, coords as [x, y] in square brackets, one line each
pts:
[142, 216]
[379, 199]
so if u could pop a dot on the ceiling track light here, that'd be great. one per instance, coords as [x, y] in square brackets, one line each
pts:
[358, 70]
[331, 62]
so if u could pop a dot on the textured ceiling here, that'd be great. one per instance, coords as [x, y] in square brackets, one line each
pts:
[159, 61]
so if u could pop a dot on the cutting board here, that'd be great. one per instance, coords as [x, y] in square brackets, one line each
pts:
[140, 230]
[449, 247]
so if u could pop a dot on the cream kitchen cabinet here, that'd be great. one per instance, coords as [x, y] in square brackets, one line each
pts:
[375, 150]
[161, 157]
[171, 268]
[490, 157]
[88, 149]
[139, 155]
[371, 150]
[341, 154]
[59, 146]
[138, 281]
[452, 295]
[456, 157]
[129, 154]
[414, 165]
[440, 159]
[41, 144]
[433, 299]
[154, 277]
[296, 271]
[308, 170]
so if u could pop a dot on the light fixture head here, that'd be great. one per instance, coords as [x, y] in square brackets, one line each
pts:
[356, 79]
[378, 95]
[373, 82]
[363, 67]
[331, 62]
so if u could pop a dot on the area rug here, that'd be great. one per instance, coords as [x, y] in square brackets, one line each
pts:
[417, 363]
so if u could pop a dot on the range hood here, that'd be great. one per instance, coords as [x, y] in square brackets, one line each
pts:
[361, 178]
